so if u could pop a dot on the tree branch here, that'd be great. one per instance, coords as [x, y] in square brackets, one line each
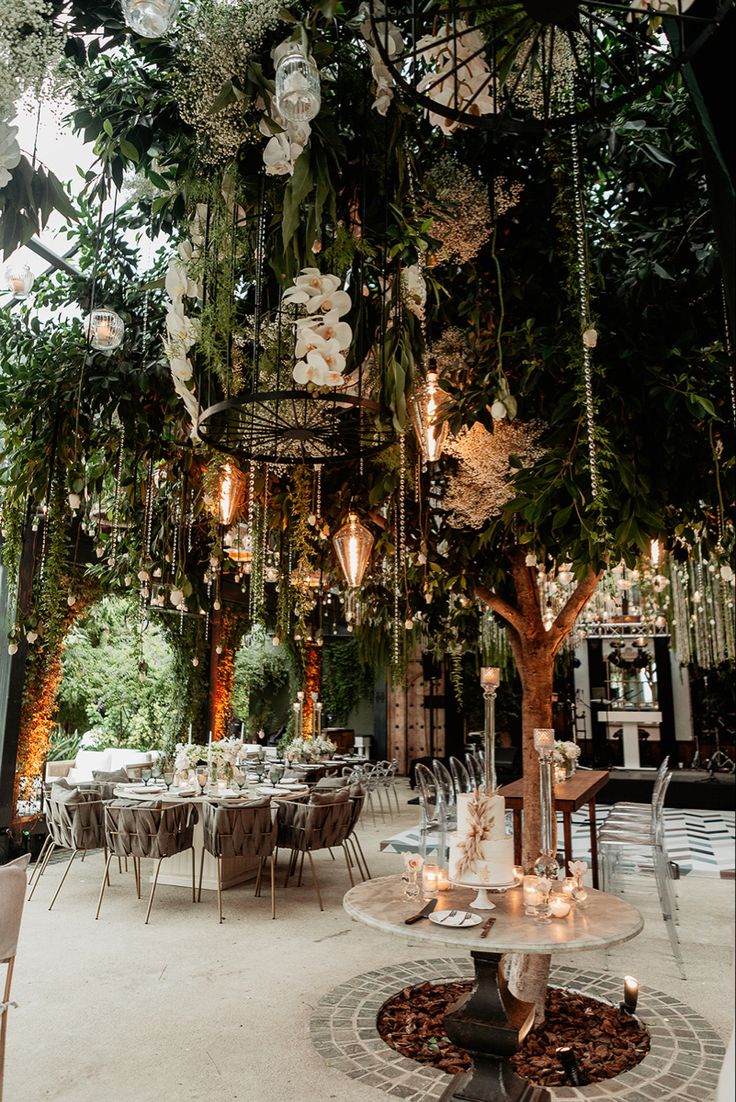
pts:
[499, 605]
[570, 611]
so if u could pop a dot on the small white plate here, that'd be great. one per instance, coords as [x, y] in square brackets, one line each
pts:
[459, 918]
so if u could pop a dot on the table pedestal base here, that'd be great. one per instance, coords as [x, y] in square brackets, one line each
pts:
[490, 1023]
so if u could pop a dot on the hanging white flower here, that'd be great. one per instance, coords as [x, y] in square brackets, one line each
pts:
[9, 152]
[312, 331]
[310, 284]
[177, 280]
[414, 290]
[279, 155]
[333, 302]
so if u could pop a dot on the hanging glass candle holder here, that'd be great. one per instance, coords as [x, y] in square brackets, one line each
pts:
[298, 96]
[239, 544]
[104, 329]
[353, 545]
[150, 18]
[230, 494]
[18, 279]
[425, 407]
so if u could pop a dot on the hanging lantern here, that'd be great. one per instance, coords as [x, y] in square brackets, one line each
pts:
[104, 329]
[231, 493]
[238, 544]
[298, 96]
[353, 544]
[425, 406]
[150, 18]
[18, 279]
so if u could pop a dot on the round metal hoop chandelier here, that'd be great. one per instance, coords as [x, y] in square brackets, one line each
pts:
[525, 66]
[289, 427]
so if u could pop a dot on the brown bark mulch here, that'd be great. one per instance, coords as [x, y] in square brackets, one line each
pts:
[605, 1041]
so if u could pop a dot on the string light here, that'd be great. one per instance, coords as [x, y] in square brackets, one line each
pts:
[589, 336]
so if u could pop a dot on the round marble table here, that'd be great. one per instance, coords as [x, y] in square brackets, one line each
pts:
[491, 1022]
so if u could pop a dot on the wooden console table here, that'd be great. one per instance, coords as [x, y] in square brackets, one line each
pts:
[570, 795]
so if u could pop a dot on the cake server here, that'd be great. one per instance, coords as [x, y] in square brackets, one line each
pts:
[424, 913]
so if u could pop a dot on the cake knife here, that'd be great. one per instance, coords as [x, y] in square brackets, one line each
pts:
[486, 926]
[424, 913]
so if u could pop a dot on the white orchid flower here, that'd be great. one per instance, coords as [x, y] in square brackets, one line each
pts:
[328, 358]
[414, 290]
[311, 333]
[183, 332]
[279, 155]
[337, 301]
[181, 368]
[177, 280]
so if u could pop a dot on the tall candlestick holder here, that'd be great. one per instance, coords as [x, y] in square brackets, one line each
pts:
[546, 863]
[490, 679]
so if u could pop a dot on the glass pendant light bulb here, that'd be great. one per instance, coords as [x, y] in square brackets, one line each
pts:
[425, 407]
[353, 545]
[150, 18]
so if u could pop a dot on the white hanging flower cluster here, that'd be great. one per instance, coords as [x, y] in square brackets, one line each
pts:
[393, 43]
[283, 149]
[458, 75]
[414, 290]
[322, 339]
[183, 332]
[9, 152]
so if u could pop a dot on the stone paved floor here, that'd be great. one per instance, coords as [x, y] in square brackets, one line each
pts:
[682, 1065]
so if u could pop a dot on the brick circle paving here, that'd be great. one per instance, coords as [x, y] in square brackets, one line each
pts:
[683, 1063]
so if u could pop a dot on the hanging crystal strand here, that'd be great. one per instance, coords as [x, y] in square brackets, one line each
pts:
[116, 501]
[175, 546]
[729, 353]
[263, 545]
[147, 532]
[254, 581]
[318, 491]
[583, 288]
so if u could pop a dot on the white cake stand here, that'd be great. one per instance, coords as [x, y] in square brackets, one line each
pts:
[481, 901]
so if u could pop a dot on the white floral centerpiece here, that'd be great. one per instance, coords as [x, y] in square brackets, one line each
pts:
[188, 756]
[565, 757]
[223, 756]
[309, 749]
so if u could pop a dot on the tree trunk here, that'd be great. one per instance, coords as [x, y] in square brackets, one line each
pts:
[534, 646]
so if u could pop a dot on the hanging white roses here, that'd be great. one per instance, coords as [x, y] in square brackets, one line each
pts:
[322, 339]
[182, 332]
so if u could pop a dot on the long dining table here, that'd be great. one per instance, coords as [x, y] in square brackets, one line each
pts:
[569, 795]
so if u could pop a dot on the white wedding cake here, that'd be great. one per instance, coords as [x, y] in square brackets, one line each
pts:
[481, 854]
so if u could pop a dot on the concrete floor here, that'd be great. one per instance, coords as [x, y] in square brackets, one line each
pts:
[190, 1010]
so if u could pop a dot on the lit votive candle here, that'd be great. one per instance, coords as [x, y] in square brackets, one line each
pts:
[535, 893]
[443, 883]
[631, 994]
[568, 885]
[490, 678]
[559, 906]
[518, 873]
[431, 879]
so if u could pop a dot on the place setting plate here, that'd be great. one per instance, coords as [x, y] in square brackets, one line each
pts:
[455, 918]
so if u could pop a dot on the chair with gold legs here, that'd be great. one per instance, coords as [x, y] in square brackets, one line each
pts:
[13, 883]
[151, 829]
[246, 830]
[323, 823]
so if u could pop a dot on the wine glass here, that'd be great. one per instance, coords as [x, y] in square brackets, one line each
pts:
[156, 770]
[202, 778]
[168, 779]
[242, 775]
[146, 775]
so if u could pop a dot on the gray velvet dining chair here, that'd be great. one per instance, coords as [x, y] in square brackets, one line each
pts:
[13, 883]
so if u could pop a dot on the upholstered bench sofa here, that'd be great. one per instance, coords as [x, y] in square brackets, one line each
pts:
[87, 762]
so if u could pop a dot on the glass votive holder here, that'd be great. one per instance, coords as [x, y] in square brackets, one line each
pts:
[579, 892]
[560, 905]
[518, 874]
[443, 882]
[568, 885]
[536, 891]
[431, 879]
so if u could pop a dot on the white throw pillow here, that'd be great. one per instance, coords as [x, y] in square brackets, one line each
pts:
[120, 757]
[85, 762]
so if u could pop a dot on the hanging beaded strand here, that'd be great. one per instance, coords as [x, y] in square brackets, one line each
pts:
[729, 353]
[116, 501]
[583, 288]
